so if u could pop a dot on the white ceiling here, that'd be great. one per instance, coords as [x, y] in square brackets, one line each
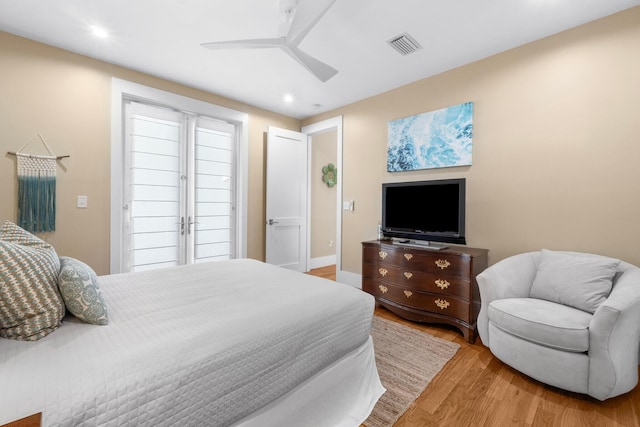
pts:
[163, 37]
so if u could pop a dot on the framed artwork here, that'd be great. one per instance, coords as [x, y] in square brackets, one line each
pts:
[437, 139]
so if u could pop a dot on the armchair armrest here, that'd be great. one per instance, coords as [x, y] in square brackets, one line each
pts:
[614, 336]
[510, 278]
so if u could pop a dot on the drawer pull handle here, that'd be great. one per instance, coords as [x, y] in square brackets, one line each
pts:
[442, 303]
[408, 275]
[442, 284]
[442, 263]
[408, 256]
[408, 293]
[383, 289]
[383, 272]
[382, 254]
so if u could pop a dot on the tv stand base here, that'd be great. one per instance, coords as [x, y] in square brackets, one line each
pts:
[420, 244]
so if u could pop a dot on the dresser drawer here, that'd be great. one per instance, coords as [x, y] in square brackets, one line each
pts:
[416, 259]
[438, 283]
[439, 304]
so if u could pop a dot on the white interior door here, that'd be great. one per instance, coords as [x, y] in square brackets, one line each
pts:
[286, 199]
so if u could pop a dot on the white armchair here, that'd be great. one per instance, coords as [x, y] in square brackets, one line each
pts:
[548, 335]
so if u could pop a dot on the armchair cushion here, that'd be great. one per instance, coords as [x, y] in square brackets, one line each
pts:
[542, 322]
[577, 280]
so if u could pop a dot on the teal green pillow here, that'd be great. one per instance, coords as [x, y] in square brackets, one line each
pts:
[30, 305]
[78, 284]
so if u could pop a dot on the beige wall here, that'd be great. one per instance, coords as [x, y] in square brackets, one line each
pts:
[66, 97]
[555, 160]
[556, 149]
[324, 148]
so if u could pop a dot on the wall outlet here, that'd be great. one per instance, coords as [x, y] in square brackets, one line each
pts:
[348, 205]
[82, 202]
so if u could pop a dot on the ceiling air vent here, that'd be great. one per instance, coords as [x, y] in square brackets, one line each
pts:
[404, 44]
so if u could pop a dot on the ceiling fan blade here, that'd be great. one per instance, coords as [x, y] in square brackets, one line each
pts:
[246, 44]
[307, 16]
[318, 68]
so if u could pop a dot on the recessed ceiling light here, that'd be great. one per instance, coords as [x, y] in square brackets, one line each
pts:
[288, 98]
[99, 32]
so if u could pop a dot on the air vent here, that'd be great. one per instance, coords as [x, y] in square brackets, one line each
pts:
[404, 44]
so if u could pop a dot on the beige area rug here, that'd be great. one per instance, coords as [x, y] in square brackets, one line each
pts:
[407, 361]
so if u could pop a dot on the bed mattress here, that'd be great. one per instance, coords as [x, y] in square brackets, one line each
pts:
[201, 345]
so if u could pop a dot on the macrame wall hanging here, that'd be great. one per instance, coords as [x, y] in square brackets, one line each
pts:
[36, 189]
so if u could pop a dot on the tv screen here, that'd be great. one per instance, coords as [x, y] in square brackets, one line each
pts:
[425, 210]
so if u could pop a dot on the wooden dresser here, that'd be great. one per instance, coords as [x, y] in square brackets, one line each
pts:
[425, 285]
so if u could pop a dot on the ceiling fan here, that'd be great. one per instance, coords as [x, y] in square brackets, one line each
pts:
[300, 19]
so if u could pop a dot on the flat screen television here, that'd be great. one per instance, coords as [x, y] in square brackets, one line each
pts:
[425, 210]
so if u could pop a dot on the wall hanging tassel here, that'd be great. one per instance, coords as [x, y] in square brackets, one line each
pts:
[36, 192]
[36, 189]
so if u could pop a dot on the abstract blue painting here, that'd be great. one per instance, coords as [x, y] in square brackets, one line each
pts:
[437, 139]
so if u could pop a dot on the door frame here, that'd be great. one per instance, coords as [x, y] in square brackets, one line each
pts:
[334, 123]
[122, 90]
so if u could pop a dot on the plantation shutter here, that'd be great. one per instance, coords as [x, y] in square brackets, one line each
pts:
[180, 188]
[153, 186]
[214, 190]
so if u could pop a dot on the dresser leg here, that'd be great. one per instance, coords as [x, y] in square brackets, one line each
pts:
[469, 334]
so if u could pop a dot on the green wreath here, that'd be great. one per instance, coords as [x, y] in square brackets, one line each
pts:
[329, 174]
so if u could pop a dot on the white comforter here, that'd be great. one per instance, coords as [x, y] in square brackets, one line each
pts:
[199, 345]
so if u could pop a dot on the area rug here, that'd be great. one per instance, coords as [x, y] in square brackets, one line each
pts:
[407, 361]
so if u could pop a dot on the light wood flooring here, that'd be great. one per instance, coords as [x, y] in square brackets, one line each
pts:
[477, 389]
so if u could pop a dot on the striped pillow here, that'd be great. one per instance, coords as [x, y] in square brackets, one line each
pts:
[30, 304]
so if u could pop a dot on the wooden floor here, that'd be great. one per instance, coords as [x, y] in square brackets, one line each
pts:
[476, 389]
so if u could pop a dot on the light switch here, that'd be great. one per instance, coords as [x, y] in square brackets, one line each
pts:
[82, 202]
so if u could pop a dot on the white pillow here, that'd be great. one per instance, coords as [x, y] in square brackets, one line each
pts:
[582, 281]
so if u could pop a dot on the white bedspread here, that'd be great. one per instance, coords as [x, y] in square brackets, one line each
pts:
[200, 345]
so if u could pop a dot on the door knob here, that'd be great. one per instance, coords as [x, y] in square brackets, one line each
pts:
[271, 222]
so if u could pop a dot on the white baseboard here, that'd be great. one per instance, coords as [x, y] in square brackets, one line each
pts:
[322, 261]
[348, 278]
[351, 279]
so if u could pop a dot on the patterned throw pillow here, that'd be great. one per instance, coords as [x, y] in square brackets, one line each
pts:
[78, 284]
[30, 305]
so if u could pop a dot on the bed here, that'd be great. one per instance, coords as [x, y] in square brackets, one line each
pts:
[230, 343]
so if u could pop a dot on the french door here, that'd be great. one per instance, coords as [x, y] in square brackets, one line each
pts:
[179, 188]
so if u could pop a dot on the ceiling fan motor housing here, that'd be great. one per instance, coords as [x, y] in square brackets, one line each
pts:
[288, 7]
